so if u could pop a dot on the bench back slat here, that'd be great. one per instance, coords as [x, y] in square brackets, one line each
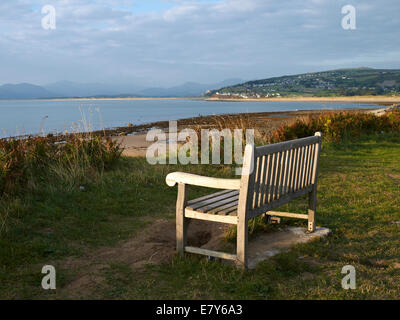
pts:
[281, 172]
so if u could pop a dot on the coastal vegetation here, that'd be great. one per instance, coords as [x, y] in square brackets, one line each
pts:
[63, 203]
[341, 82]
[25, 164]
[338, 126]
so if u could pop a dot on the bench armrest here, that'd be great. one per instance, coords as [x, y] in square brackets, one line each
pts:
[202, 181]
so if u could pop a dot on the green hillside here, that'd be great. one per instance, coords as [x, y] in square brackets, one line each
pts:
[341, 82]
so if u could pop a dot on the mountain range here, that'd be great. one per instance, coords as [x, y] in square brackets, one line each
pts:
[340, 82]
[68, 89]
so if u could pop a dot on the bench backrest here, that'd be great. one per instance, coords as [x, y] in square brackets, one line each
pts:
[280, 172]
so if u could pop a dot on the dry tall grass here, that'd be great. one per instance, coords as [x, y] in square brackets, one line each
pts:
[25, 163]
[337, 126]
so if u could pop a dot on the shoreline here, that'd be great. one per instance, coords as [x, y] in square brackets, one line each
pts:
[380, 100]
[133, 139]
[273, 117]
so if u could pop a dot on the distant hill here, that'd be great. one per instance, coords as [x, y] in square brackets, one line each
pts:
[67, 89]
[24, 91]
[343, 82]
[75, 89]
[188, 89]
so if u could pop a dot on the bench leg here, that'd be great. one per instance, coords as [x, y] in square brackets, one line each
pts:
[312, 205]
[241, 242]
[181, 221]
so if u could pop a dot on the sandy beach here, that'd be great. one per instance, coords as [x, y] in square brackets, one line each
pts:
[133, 139]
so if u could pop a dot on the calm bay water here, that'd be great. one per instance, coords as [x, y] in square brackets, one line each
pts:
[19, 117]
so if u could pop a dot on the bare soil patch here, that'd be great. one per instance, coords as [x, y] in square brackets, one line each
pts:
[154, 245]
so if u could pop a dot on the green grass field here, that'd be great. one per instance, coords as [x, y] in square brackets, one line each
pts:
[359, 200]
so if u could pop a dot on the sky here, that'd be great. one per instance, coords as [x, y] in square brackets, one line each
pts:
[169, 42]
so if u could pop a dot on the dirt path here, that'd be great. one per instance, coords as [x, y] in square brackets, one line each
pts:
[153, 245]
[156, 245]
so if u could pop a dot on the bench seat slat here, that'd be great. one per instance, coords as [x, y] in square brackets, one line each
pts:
[232, 211]
[219, 203]
[222, 209]
[208, 196]
[196, 204]
[223, 203]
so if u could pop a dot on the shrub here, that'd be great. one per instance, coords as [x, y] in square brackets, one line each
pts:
[24, 162]
[337, 126]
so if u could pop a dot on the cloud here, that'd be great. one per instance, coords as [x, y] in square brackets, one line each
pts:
[179, 12]
[165, 42]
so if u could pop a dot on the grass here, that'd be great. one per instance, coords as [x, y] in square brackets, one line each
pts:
[26, 163]
[357, 201]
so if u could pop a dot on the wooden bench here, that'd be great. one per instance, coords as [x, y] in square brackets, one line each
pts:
[272, 175]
